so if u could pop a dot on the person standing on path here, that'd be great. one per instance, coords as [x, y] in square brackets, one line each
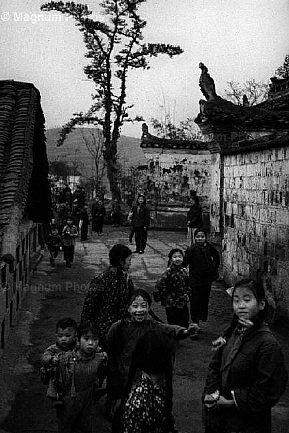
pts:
[69, 233]
[203, 261]
[247, 374]
[98, 213]
[83, 223]
[109, 293]
[140, 221]
[194, 219]
[172, 290]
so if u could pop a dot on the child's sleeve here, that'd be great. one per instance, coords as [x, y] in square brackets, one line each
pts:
[48, 356]
[92, 302]
[160, 292]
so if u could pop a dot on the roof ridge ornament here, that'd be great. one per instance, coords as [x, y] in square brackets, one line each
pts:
[207, 83]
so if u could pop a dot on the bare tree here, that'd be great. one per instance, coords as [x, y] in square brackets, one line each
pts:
[94, 143]
[283, 71]
[254, 91]
[114, 46]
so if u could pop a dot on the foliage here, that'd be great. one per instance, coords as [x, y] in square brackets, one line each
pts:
[283, 71]
[114, 46]
[255, 92]
[59, 169]
[186, 130]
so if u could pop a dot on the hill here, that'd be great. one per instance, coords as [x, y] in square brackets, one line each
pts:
[75, 152]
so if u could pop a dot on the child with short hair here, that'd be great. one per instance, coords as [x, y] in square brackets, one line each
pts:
[69, 233]
[79, 381]
[247, 374]
[172, 289]
[66, 340]
[54, 243]
[122, 338]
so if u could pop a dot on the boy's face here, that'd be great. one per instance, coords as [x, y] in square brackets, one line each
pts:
[65, 338]
[141, 200]
[138, 309]
[69, 222]
[245, 304]
[88, 343]
[200, 238]
[54, 231]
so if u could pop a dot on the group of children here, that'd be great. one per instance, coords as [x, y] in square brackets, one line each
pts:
[246, 377]
[65, 241]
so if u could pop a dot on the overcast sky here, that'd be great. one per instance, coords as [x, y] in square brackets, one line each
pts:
[236, 39]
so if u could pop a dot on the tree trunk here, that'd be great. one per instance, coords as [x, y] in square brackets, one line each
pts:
[113, 180]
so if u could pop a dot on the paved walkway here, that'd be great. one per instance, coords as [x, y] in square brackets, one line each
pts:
[58, 292]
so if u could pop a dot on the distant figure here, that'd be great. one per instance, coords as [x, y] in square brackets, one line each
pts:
[83, 223]
[69, 233]
[54, 243]
[98, 213]
[194, 219]
[116, 213]
[140, 221]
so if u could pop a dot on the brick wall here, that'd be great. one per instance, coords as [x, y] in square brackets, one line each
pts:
[256, 219]
[14, 280]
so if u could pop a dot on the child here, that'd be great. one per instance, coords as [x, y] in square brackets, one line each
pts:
[54, 244]
[69, 234]
[247, 374]
[172, 290]
[147, 405]
[109, 292]
[66, 339]
[79, 382]
[122, 338]
[203, 261]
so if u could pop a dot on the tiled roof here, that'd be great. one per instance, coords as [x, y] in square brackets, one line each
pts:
[24, 188]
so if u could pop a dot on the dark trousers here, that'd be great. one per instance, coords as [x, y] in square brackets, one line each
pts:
[68, 253]
[199, 302]
[97, 225]
[83, 232]
[178, 316]
[140, 238]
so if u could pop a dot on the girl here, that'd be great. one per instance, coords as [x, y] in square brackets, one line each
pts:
[203, 261]
[122, 338]
[147, 406]
[109, 292]
[247, 375]
[79, 382]
[69, 234]
[172, 290]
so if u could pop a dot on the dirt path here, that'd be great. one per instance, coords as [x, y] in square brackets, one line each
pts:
[58, 292]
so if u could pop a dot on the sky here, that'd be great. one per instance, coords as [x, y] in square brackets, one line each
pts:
[236, 39]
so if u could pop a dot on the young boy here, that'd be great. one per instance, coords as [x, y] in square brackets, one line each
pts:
[66, 339]
[80, 382]
[54, 244]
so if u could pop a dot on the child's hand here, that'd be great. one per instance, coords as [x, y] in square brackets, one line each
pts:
[219, 342]
[245, 322]
[223, 402]
[210, 400]
[193, 329]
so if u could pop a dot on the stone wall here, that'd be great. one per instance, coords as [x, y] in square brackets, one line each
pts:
[256, 219]
[14, 279]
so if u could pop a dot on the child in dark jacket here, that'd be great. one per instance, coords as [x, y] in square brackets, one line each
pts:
[203, 261]
[247, 374]
[122, 338]
[172, 290]
[66, 339]
[54, 243]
